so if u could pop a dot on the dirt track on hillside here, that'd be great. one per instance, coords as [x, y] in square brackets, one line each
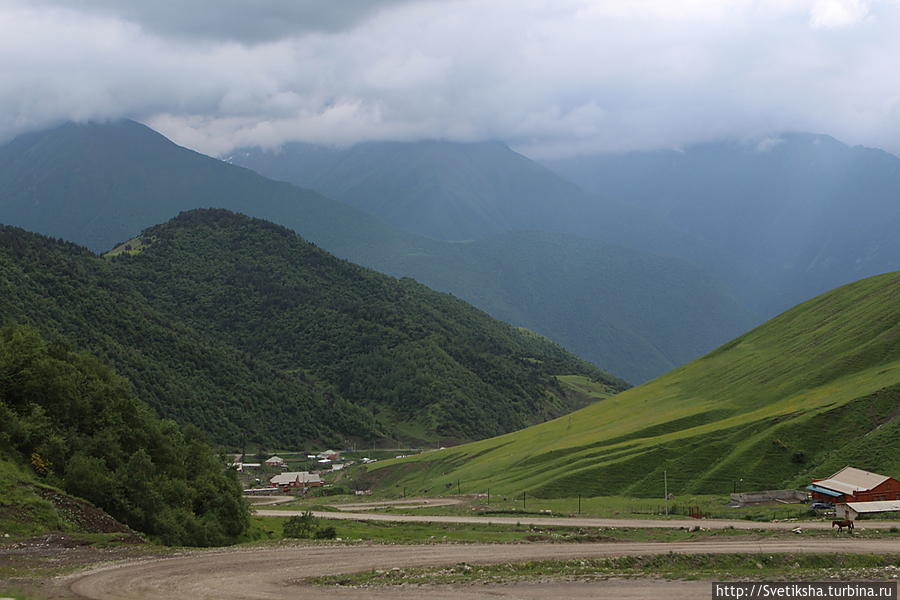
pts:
[409, 503]
[269, 573]
[579, 522]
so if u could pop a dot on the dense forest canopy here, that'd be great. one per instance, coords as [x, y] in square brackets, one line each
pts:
[79, 427]
[246, 330]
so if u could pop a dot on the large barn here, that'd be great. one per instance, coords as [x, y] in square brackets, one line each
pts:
[296, 479]
[855, 485]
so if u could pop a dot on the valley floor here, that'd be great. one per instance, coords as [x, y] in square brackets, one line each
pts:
[272, 572]
[400, 559]
[578, 522]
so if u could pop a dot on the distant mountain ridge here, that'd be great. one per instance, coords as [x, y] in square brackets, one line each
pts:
[444, 190]
[102, 184]
[779, 220]
[464, 191]
[790, 216]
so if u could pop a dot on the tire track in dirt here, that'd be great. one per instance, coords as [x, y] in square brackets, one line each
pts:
[269, 573]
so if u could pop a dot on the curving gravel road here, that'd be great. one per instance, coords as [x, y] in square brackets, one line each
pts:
[269, 573]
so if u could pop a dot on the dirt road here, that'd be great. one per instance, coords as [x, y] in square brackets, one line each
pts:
[358, 506]
[409, 503]
[577, 522]
[269, 500]
[244, 574]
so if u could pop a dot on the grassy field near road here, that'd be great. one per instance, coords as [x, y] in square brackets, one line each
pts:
[690, 566]
[271, 528]
[710, 506]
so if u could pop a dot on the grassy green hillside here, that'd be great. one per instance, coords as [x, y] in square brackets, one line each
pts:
[810, 391]
[22, 509]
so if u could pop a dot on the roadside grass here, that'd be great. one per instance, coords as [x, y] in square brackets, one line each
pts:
[670, 566]
[712, 506]
[271, 529]
[18, 594]
[35, 571]
[22, 511]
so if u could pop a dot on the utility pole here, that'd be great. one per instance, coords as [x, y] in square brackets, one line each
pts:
[666, 489]
[523, 500]
[458, 493]
[579, 504]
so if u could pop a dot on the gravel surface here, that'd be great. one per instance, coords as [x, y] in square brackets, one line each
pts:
[264, 573]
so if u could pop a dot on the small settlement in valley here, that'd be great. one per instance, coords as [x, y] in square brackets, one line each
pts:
[275, 474]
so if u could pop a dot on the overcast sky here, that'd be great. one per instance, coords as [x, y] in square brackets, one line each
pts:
[549, 77]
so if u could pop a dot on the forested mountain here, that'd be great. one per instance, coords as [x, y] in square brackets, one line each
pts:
[184, 373]
[67, 420]
[788, 217]
[101, 184]
[244, 329]
[636, 313]
[801, 396]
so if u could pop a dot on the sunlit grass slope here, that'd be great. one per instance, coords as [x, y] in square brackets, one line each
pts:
[811, 390]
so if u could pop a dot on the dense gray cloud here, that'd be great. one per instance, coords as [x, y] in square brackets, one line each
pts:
[250, 21]
[548, 76]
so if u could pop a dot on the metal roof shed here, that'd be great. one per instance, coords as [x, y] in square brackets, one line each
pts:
[851, 510]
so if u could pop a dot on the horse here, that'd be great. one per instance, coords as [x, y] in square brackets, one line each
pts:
[841, 524]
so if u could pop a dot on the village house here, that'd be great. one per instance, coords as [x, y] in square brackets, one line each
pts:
[851, 485]
[275, 461]
[295, 479]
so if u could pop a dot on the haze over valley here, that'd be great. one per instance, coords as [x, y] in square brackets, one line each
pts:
[601, 297]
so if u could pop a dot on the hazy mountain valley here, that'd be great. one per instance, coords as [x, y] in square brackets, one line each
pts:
[471, 300]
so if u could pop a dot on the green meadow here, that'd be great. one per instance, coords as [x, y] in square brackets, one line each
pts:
[803, 395]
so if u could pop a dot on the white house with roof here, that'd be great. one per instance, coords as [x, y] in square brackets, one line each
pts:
[295, 479]
[275, 461]
[852, 510]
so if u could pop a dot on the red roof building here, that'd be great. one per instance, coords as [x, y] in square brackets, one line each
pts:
[296, 479]
[855, 485]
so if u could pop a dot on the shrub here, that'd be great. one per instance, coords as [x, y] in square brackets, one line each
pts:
[300, 526]
[326, 533]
